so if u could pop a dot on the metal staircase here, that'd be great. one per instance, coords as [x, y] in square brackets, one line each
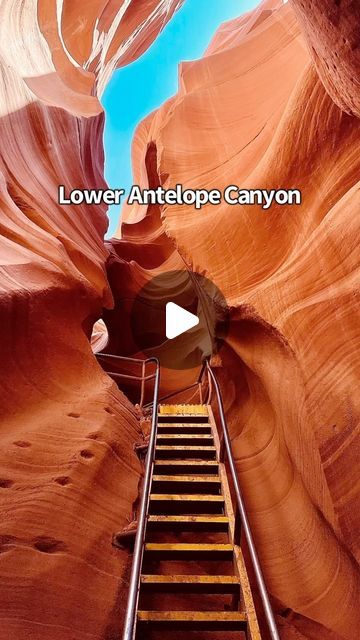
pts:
[190, 519]
[190, 493]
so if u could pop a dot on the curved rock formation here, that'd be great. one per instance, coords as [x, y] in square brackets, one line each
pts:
[68, 478]
[332, 31]
[99, 337]
[254, 112]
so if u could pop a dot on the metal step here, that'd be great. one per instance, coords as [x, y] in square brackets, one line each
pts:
[188, 484]
[189, 523]
[201, 419]
[192, 439]
[176, 427]
[172, 467]
[194, 503]
[183, 410]
[190, 584]
[185, 452]
[189, 498]
[189, 551]
[194, 620]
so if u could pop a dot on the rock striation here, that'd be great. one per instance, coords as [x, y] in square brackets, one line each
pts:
[332, 32]
[68, 475]
[256, 111]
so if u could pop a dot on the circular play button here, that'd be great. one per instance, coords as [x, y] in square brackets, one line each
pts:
[179, 317]
[178, 320]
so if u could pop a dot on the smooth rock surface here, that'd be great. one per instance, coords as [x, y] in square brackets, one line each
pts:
[68, 472]
[254, 112]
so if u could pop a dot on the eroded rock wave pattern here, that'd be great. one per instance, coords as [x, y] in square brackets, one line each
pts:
[69, 475]
[264, 109]
[254, 112]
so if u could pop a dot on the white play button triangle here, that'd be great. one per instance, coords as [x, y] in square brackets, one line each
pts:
[178, 320]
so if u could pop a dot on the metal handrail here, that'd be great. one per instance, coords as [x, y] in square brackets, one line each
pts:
[269, 614]
[134, 586]
[143, 378]
[174, 393]
[126, 358]
[129, 376]
[188, 388]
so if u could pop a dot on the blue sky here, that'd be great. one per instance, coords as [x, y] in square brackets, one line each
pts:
[144, 85]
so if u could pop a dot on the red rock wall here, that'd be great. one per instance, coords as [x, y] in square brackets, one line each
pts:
[331, 28]
[68, 474]
[254, 112]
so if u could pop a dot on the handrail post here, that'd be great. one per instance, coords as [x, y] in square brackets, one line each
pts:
[222, 448]
[269, 614]
[143, 370]
[134, 586]
[210, 386]
[237, 527]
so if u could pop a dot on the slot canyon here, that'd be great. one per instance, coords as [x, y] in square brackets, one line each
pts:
[273, 103]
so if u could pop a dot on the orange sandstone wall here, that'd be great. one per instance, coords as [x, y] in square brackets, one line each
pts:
[255, 112]
[68, 475]
[331, 28]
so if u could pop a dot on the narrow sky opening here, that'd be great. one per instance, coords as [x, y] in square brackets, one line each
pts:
[138, 89]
